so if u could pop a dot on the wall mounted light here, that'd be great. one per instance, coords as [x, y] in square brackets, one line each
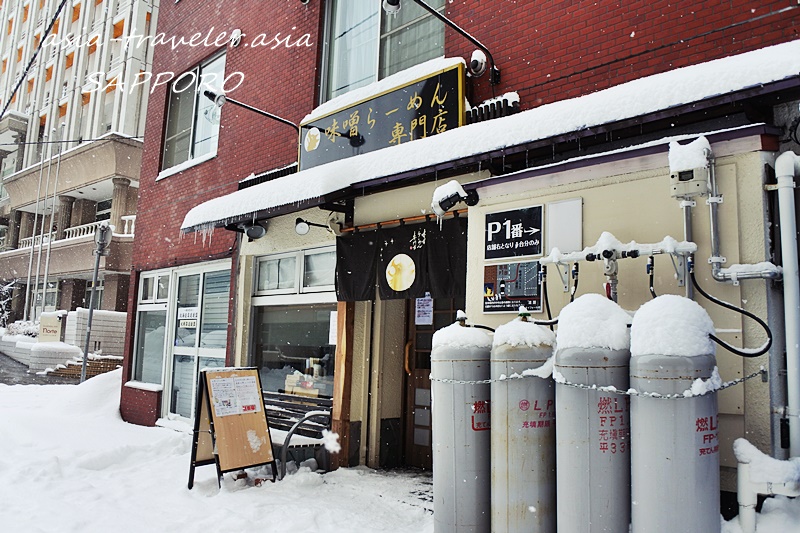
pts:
[254, 230]
[301, 226]
[393, 6]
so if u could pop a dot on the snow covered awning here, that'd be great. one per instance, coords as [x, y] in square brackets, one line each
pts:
[751, 71]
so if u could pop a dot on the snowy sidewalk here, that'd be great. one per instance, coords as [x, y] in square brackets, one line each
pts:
[68, 463]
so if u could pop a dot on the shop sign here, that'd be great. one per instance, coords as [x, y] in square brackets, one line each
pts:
[516, 233]
[416, 110]
[187, 317]
[423, 311]
[508, 286]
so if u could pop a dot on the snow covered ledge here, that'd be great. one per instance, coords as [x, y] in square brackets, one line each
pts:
[761, 474]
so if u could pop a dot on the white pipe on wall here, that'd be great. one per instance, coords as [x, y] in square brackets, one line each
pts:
[787, 166]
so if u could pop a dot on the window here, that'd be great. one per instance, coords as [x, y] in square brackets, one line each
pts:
[294, 325]
[296, 272]
[151, 326]
[365, 44]
[103, 210]
[293, 348]
[189, 134]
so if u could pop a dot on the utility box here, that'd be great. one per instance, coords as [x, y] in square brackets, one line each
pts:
[689, 183]
[461, 428]
[675, 459]
[523, 429]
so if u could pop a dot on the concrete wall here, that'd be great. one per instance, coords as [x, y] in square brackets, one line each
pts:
[108, 330]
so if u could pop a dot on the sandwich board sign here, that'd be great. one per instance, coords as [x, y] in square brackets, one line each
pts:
[230, 424]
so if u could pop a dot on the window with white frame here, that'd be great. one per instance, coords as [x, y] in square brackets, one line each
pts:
[294, 322]
[189, 131]
[151, 324]
[365, 43]
[296, 272]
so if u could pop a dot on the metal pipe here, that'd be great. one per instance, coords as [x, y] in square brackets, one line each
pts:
[787, 166]
[687, 237]
[52, 214]
[30, 254]
[41, 233]
[714, 199]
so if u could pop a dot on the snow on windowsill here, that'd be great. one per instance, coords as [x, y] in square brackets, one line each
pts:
[141, 385]
[167, 172]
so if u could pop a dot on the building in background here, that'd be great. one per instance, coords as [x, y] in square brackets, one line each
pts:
[71, 146]
[294, 235]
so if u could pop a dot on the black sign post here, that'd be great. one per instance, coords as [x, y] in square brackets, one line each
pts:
[414, 111]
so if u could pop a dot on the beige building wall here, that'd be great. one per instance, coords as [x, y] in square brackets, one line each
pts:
[631, 199]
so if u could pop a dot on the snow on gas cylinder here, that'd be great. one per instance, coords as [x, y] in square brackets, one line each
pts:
[460, 429]
[593, 430]
[675, 458]
[523, 428]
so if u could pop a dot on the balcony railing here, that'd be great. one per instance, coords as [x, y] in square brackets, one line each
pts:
[81, 231]
[84, 230]
[128, 224]
[37, 240]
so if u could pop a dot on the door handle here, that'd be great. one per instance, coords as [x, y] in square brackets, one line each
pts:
[406, 357]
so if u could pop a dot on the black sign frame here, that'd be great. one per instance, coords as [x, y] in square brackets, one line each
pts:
[417, 109]
[514, 234]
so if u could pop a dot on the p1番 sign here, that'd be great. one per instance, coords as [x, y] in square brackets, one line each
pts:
[516, 233]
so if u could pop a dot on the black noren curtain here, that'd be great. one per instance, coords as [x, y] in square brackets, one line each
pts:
[356, 260]
[409, 261]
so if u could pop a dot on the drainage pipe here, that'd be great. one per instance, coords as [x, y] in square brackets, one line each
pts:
[787, 166]
[714, 199]
[687, 205]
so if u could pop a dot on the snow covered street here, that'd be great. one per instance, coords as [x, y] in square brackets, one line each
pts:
[68, 463]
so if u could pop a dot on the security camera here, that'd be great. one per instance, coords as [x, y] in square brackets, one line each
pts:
[304, 2]
[477, 64]
[391, 6]
[236, 37]
[446, 196]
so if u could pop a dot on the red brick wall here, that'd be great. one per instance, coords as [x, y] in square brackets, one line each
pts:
[549, 51]
[281, 81]
[141, 407]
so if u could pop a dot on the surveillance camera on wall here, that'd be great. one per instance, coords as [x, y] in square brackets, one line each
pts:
[446, 196]
[236, 37]
[304, 2]
[477, 63]
[391, 6]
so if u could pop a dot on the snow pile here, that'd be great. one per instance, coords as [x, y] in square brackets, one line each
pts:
[704, 386]
[766, 469]
[672, 325]
[68, 463]
[689, 156]
[593, 321]
[521, 333]
[738, 269]
[331, 441]
[27, 328]
[457, 336]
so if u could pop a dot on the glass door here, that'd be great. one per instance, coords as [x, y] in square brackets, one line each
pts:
[418, 447]
[199, 334]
